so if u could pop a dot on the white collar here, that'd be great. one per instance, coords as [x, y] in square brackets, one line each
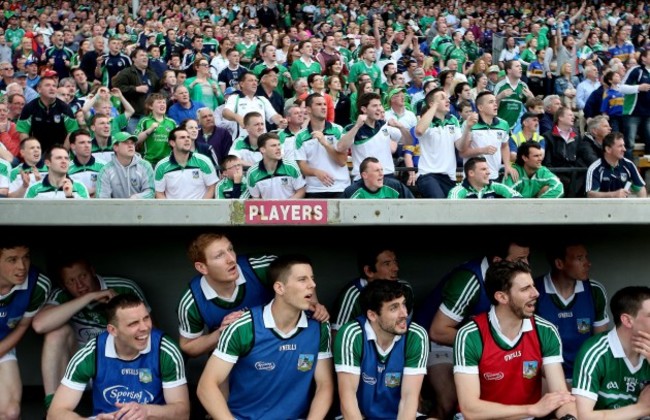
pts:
[550, 289]
[526, 326]
[110, 351]
[210, 293]
[269, 322]
[17, 287]
[370, 334]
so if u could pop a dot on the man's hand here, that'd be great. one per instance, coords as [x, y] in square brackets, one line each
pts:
[551, 402]
[361, 120]
[325, 178]
[394, 123]
[66, 186]
[320, 313]
[230, 318]
[641, 343]
[142, 88]
[102, 296]
[622, 193]
[472, 120]
[489, 150]
[283, 123]
[130, 411]
[510, 171]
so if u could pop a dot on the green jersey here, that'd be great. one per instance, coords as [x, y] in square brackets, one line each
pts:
[15, 36]
[156, 144]
[492, 190]
[510, 107]
[383, 192]
[346, 54]
[226, 188]
[457, 53]
[91, 321]
[191, 323]
[239, 338]
[468, 347]
[247, 51]
[604, 374]
[300, 68]
[82, 367]
[45, 190]
[348, 348]
[360, 68]
[530, 186]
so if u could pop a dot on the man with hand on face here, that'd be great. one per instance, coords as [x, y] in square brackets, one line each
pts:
[278, 348]
[501, 356]
[137, 371]
[386, 350]
[56, 184]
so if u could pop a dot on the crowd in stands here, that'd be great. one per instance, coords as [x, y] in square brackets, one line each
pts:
[153, 103]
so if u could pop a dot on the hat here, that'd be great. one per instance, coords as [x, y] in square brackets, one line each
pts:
[30, 62]
[528, 115]
[494, 69]
[394, 92]
[123, 136]
[20, 74]
[9, 14]
[50, 73]
[269, 70]
[398, 27]
[229, 91]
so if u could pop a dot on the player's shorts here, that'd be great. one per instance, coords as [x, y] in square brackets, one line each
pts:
[439, 355]
[10, 356]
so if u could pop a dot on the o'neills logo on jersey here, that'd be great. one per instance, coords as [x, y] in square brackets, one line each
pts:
[368, 379]
[565, 314]
[122, 394]
[287, 347]
[489, 376]
[265, 366]
[509, 357]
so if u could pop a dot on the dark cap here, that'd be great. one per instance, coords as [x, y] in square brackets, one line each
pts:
[528, 115]
[20, 74]
[269, 70]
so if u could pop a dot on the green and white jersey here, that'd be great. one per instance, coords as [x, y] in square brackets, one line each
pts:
[242, 105]
[492, 190]
[288, 141]
[360, 68]
[91, 321]
[282, 80]
[239, 337]
[495, 134]
[468, 347]
[15, 36]
[245, 50]
[530, 186]
[82, 367]
[384, 192]
[43, 190]
[301, 68]
[310, 150]
[457, 53]
[604, 374]
[5, 170]
[118, 124]
[85, 174]
[345, 54]
[439, 44]
[348, 348]
[16, 181]
[462, 292]
[156, 146]
[210, 45]
[244, 150]
[189, 181]
[225, 187]
[510, 107]
[279, 184]
[38, 298]
[190, 321]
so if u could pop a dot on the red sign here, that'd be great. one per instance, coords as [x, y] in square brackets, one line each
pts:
[292, 212]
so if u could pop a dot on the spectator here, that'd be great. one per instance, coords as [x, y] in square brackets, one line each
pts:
[233, 182]
[535, 180]
[56, 184]
[597, 128]
[372, 184]
[638, 114]
[183, 107]
[477, 183]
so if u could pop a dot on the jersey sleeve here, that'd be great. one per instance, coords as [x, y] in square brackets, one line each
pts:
[417, 351]
[190, 321]
[325, 349]
[347, 307]
[39, 296]
[459, 294]
[348, 349]
[58, 297]
[172, 367]
[237, 339]
[468, 348]
[260, 264]
[589, 372]
[550, 341]
[81, 368]
[599, 295]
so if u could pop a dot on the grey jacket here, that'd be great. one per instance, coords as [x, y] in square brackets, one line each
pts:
[118, 181]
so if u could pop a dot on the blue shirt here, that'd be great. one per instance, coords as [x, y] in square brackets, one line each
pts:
[178, 113]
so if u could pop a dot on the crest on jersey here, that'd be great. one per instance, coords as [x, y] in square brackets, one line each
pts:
[57, 118]
[145, 375]
[584, 325]
[195, 174]
[305, 362]
[530, 369]
[393, 379]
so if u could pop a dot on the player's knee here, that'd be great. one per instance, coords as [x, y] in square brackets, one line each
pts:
[58, 337]
[11, 411]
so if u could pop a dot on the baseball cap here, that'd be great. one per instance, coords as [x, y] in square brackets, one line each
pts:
[269, 70]
[20, 74]
[528, 115]
[29, 62]
[392, 93]
[122, 137]
[494, 69]
[50, 73]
